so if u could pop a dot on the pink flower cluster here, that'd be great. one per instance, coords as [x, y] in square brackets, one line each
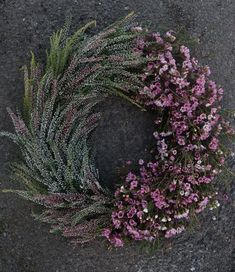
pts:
[161, 198]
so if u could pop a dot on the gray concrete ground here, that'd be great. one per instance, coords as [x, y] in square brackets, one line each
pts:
[26, 245]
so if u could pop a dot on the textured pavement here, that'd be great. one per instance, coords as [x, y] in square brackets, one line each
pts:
[123, 133]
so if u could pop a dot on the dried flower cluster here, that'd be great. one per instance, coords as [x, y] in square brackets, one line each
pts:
[167, 192]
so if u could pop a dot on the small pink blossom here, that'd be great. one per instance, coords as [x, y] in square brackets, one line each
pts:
[214, 144]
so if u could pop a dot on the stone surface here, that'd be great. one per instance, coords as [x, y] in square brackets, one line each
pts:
[26, 245]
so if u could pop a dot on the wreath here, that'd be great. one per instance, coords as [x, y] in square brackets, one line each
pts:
[159, 198]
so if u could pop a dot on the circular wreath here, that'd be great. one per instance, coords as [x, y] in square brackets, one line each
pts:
[154, 72]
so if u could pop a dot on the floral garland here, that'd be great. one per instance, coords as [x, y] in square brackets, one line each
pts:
[154, 72]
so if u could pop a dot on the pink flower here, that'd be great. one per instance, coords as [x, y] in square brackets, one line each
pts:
[158, 38]
[131, 213]
[202, 205]
[185, 51]
[214, 144]
[117, 242]
[106, 233]
[159, 199]
[170, 233]
[182, 215]
[132, 222]
[170, 36]
[140, 214]
[181, 141]
[120, 214]
[130, 177]
[141, 162]
[116, 223]
[133, 184]
[220, 91]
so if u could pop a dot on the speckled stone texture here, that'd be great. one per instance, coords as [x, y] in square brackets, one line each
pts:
[123, 134]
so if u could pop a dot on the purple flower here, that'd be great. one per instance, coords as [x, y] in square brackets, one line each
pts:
[131, 213]
[117, 242]
[106, 233]
[214, 144]
[141, 162]
[181, 141]
[120, 214]
[170, 233]
[132, 222]
[133, 184]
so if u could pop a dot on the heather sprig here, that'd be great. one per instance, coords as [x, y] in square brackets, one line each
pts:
[58, 117]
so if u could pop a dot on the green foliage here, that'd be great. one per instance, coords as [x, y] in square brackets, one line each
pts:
[61, 48]
[89, 212]
[58, 115]
[30, 76]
